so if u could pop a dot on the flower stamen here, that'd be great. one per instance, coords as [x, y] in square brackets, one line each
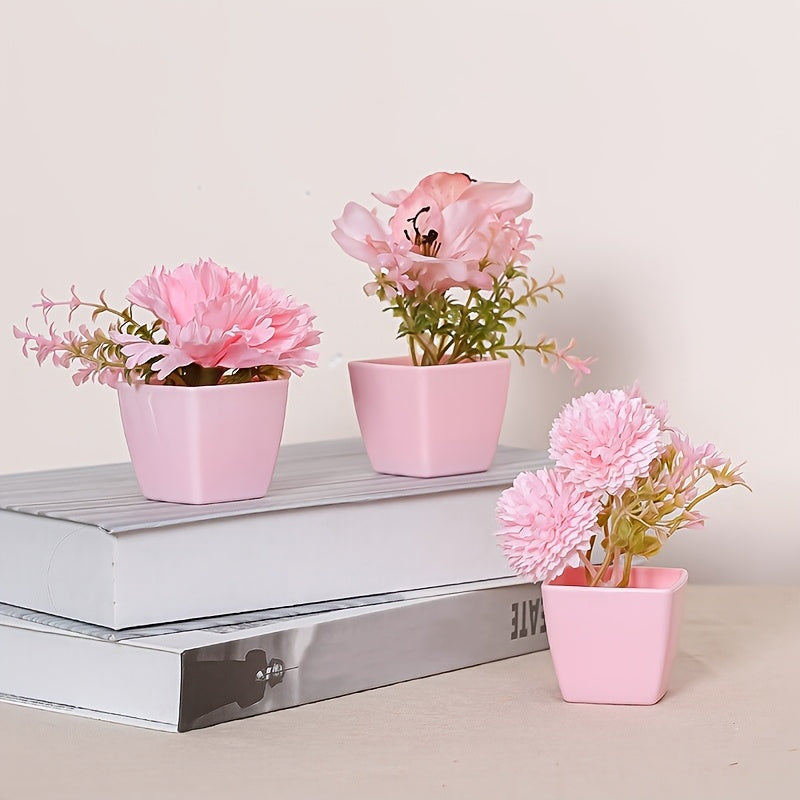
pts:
[426, 242]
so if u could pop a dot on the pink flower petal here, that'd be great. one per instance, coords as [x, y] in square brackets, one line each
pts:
[606, 439]
[546, 522]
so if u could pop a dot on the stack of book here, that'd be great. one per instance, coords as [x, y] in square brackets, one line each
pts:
[178, 617]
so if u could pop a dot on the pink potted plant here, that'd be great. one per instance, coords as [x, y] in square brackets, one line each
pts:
[451, 265]
[623, 483]
[202, 383]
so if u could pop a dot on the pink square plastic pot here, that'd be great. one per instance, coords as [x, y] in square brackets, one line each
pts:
[613, 645]
[203, 444]
[430, 421]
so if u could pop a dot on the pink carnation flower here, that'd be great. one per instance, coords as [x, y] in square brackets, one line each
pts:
[607, 440]
[546, 523]
[218, 318]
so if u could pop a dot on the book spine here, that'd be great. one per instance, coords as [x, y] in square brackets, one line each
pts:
[330, 658]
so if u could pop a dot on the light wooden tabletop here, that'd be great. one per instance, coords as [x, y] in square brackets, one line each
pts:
[729, 727]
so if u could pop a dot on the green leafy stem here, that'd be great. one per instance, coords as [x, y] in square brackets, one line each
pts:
[471, 324]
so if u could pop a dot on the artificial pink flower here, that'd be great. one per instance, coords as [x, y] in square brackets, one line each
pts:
[362, 235]
[139, 351]
[204, 315]
[453, 233]
[448, 232]
[44, 346]
[661, 410]
[616, 478]
[562, 355]
[462, 232]
[218, 318]
[434, 193]
[546, 523]
[690, 462]
[606, 440]
[506, 200]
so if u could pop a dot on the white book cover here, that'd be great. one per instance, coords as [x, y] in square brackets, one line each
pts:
[83, 543]
[184, 677]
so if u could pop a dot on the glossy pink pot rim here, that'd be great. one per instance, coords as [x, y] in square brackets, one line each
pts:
[140, 386]
[403, 362]
[663, 579]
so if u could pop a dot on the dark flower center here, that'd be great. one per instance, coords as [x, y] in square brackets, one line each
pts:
[426, 242]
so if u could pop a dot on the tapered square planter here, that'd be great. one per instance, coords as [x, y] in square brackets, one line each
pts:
[430, 421]
[614, 645]
[203, 444]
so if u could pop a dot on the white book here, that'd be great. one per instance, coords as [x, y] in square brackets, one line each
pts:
[83, 543]
[189, 677]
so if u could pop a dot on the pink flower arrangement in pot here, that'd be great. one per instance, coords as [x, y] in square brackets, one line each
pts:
[202, 382]
[624, 482]
[451, 264]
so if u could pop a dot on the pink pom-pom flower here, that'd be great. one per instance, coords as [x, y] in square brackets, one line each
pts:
[623, 481]
[546, 522]
[606, 440]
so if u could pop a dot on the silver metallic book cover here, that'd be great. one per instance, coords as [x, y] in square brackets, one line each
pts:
[184, 677]
[329, 658]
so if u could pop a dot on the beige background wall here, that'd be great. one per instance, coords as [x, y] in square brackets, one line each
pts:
[660, 139]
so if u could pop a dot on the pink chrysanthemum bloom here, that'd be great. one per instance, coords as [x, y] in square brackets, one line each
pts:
[218, 318]
[546, 523]
[607, 440]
